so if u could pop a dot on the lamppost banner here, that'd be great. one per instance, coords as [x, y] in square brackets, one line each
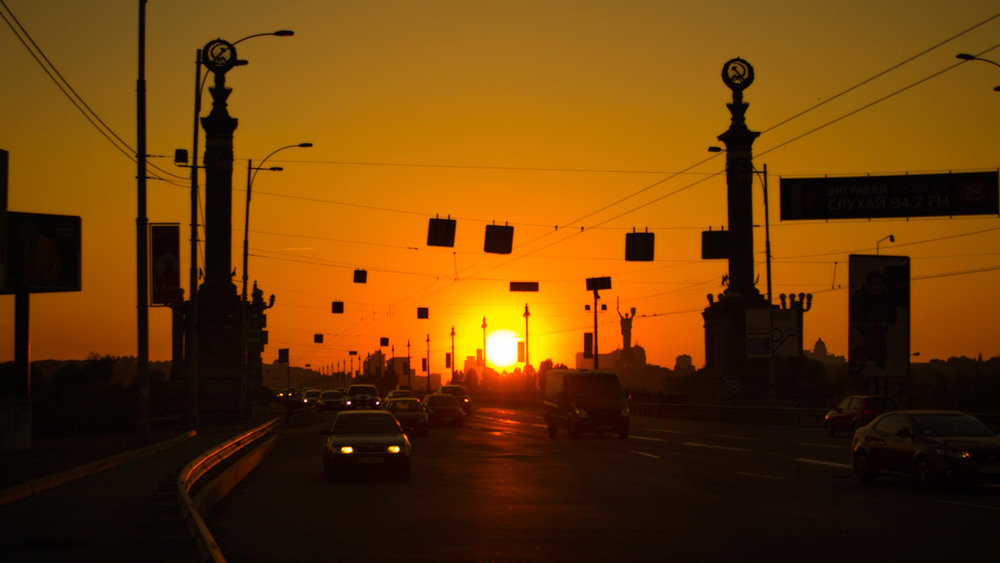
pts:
[165, 265]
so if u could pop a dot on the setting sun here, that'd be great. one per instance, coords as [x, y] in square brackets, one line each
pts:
[501, 348]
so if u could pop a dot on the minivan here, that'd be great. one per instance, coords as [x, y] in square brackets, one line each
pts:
[583, 400]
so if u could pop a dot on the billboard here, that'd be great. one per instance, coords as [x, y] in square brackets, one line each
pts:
[872, 197]
[43, 253]
[165, 265]
[878, 320]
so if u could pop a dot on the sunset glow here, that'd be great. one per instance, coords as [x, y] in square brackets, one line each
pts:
[573, 125]
[501, 348]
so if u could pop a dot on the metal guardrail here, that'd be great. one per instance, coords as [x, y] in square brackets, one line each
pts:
[207, 548]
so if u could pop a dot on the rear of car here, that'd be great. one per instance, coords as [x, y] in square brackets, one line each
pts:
[585, 401]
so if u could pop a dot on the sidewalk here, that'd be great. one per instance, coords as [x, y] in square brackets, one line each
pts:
[102, 510]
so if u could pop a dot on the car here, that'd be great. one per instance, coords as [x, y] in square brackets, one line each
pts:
[583, 400]
[309, 396]
[443, 410]
[459, 392]
[410, 414]
[929, 446]
[330, 401]
[856, 411]
[366, 442]
[362, 396]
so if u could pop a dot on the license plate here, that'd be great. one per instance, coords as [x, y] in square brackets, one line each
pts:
[370, 459]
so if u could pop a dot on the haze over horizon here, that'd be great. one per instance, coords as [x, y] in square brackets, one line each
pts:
[574, 122]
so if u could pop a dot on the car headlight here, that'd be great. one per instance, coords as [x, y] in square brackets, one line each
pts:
[346, 450]
[579, 413]
[954, 454]
[394, 449]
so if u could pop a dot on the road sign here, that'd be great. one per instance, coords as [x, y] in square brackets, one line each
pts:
[871, 197]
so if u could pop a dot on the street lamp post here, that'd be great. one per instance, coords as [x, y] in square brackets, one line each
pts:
[193, 312]
[890, 238]
[251, 175]
[968, 57]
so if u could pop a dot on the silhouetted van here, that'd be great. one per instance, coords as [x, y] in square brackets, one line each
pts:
[582, 400]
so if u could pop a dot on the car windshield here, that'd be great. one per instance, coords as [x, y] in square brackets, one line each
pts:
[452, 390]
[591, 386]
[312, 393]
[330, 395]
[368, 423]
[441, 401]
[945, 425]
[362, 390]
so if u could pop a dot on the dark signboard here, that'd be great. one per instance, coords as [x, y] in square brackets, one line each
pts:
[524, 286]
[441, 232]
[165, 265]
[43, 253]
[597, 284]
[879, 316]
[714, 245]
[872, 197]
[639, 247]
[499, 239]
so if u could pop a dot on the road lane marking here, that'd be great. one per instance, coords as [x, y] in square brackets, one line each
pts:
[648, 439]
[714, 447]
[654, 456]
[971, 505]
[825, 463]
[772, 477]
[815, 445]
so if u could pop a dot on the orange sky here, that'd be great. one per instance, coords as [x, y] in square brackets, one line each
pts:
[573, 121]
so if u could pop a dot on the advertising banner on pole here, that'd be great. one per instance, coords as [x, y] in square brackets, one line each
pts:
[165, 265]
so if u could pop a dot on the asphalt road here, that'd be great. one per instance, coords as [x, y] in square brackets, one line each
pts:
[501, 490]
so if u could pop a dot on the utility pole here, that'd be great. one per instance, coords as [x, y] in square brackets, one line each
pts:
[141, 229]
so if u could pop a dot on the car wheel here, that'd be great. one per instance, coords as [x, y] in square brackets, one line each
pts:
[829, 429]
[623, 433]
[924, 474]
[553, 429]
[862, 469]
[404, 473]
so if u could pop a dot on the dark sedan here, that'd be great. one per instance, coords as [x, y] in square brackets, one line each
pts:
[443, 410]
[366, 442]
[410, 414]
[928, 446]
